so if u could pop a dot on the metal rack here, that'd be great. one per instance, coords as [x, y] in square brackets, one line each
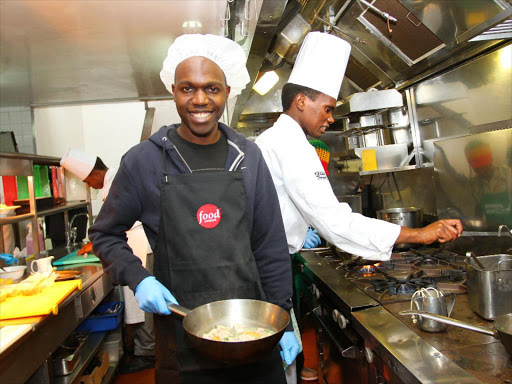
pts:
[21, 164]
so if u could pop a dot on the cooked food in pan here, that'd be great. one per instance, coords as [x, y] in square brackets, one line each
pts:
[237, 333]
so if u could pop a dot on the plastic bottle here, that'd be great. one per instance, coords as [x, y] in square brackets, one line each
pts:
[29, 240]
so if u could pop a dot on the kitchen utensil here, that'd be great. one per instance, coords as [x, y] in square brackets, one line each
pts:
[74, 258]
[43, 265]
[432, 301]
[247, 313]
[407, 217]
[473, 256]
[502, 326]
[42, 303]
[67, 275]
[14, 272]
[65, 359]
[490, 287]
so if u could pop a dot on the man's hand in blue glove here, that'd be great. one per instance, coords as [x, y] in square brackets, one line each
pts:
[312, 239]
[152, 296]
[289, 347]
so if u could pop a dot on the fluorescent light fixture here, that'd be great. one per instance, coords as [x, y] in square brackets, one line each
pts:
[192, 24]
[266, 82]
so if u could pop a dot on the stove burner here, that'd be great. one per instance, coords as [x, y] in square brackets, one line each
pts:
[400, 287]
[430, 261]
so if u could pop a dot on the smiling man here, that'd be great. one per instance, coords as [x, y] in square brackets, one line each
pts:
[210, 211]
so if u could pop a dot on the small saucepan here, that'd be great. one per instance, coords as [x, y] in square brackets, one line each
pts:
[243, 312]
[502, 326]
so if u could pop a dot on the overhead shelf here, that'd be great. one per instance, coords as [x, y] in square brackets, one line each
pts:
[62, 208]
[15, 219]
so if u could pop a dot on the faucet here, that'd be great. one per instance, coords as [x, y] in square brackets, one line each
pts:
[504, 227]
[71, 234]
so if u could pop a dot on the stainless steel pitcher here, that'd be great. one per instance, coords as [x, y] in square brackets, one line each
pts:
[436, 305]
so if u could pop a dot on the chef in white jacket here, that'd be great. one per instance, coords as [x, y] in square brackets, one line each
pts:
[305, 194]
[95, 173]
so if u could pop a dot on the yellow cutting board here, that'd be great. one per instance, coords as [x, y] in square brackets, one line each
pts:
[43, 303]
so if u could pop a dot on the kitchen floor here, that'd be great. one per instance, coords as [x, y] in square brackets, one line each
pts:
[310, 355]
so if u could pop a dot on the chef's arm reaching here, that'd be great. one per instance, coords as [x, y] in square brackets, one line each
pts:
[442, 231]
[153, 297]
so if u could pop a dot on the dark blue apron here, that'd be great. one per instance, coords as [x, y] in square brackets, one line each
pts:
[203, 254]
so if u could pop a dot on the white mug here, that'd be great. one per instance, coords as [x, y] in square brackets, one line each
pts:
[43, 265]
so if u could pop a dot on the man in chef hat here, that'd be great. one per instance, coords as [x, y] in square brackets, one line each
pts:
[91, 170]
[305, 195]
[210, 210]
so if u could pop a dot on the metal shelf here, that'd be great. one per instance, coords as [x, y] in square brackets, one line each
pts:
[396, 169]
[62, 208]
[109, 376]
[37, 159]
[89, 350]
[349, 154]
[15, 219]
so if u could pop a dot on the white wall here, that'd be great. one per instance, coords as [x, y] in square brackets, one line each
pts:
[106, 130]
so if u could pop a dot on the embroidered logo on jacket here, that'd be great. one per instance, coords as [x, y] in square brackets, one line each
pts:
[208, 216]
[320, 175]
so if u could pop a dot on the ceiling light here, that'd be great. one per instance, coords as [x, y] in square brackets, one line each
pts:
[266, 82]
[192, 24]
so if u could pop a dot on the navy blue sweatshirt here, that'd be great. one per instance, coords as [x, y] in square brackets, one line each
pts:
[135, 195]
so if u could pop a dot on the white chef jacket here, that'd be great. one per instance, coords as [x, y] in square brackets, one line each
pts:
[139, 244]
[306, 197]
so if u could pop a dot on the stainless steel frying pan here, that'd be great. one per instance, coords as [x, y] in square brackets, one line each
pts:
[502, 326]
[247, 313]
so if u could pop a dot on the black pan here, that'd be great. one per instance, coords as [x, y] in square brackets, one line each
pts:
[502, 326]
[247, 313]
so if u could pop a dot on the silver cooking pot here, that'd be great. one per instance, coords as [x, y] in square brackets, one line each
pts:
[490, 287]
[407, 217]
[244, 312]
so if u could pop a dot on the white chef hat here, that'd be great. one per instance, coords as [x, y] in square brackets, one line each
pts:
[321, 63]
[227, 54]
[78, 163]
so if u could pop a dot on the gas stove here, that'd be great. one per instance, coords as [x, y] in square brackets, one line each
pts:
[358, 304]
[397, 279]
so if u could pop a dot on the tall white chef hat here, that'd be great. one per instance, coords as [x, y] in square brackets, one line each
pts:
[78, 163]
[227, 54]
[321, 63]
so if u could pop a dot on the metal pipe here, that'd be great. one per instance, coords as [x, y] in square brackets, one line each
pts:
[361, 41]
[342, 9]
[385, 15]
[317, 11]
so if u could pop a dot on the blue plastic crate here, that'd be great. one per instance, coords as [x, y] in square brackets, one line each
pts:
[99, 320]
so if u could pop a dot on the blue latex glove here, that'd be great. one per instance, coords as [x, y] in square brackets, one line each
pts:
[152, 296]
[289, 347]
[312, 239]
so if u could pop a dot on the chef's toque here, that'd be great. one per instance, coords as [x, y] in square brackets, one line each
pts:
[321, 63]
[227, 54]
[78, 163]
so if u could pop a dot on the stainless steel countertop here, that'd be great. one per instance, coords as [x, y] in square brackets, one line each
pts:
[411, 358]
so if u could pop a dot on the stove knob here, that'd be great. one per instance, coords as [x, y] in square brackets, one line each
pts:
[335, 315]
[342, 321]
[369, 355]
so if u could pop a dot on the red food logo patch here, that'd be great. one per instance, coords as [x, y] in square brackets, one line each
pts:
[208, 216]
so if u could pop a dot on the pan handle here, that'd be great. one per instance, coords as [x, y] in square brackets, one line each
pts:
[448, 320]
[178, 309]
